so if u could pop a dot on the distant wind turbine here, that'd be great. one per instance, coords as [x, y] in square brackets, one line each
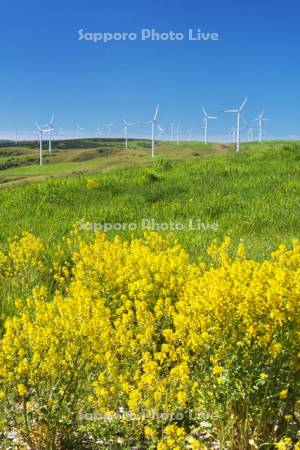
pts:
[161, 131]
[178, 131]
[108, 126]
[238, 129]
[260, 119]
[99, 132]
[79, 129]
[41, 131]
[232, 135]
[172, 131]
[249, 130]
[190, 134]
[50, 129]
[126, 125]
[153, 123]
[250, 134]
[205, 121]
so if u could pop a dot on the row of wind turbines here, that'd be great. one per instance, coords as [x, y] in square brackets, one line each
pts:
[234, 135]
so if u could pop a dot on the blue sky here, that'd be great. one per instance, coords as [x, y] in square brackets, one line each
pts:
[46, 69]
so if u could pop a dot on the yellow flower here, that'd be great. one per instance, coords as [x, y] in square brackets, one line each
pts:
[264, 376]
[180, 432]
[149, 432]
[181, 397]
[280, 446]
[284, 444]
[21, 389]
[283, 394]
[142, 326]
[217, 370]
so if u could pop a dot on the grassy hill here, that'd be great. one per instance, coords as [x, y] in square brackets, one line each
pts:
[253, 195]
[20, 163]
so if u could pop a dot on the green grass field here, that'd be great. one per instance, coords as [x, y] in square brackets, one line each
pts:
[253, 195]
[20, 163]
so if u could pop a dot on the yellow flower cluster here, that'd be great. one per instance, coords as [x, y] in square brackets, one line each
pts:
[285, 444]
[137, 327]
[22, 267]
[23, 254]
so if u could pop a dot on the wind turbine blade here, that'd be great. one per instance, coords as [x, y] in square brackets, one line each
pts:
[37, 126]
[212, 117]
[244, 103]
[204, 112]
[156, 112]
[231, 110]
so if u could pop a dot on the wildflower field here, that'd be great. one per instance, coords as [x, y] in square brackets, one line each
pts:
[154, 340]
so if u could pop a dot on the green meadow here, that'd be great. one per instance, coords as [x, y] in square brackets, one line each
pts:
[253, 196]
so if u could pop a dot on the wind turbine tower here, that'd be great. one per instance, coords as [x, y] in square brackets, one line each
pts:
[205, 121]
[238, 129]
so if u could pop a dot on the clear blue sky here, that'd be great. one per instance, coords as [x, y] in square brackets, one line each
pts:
[46, 69]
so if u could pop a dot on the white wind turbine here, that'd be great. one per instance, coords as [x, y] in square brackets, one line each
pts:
[232, 135]
[260, 119]
[41, 131]
[50, 129]
[249, 130]
[238, 129]
[161, 131]
[177, 134]
[190, 134]
[108, 126]
[79, 129]
[126, 125]
[172, 131]
[99, 132]
[61, 132]
[153, 123]
[205, 121]
[250, 134]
